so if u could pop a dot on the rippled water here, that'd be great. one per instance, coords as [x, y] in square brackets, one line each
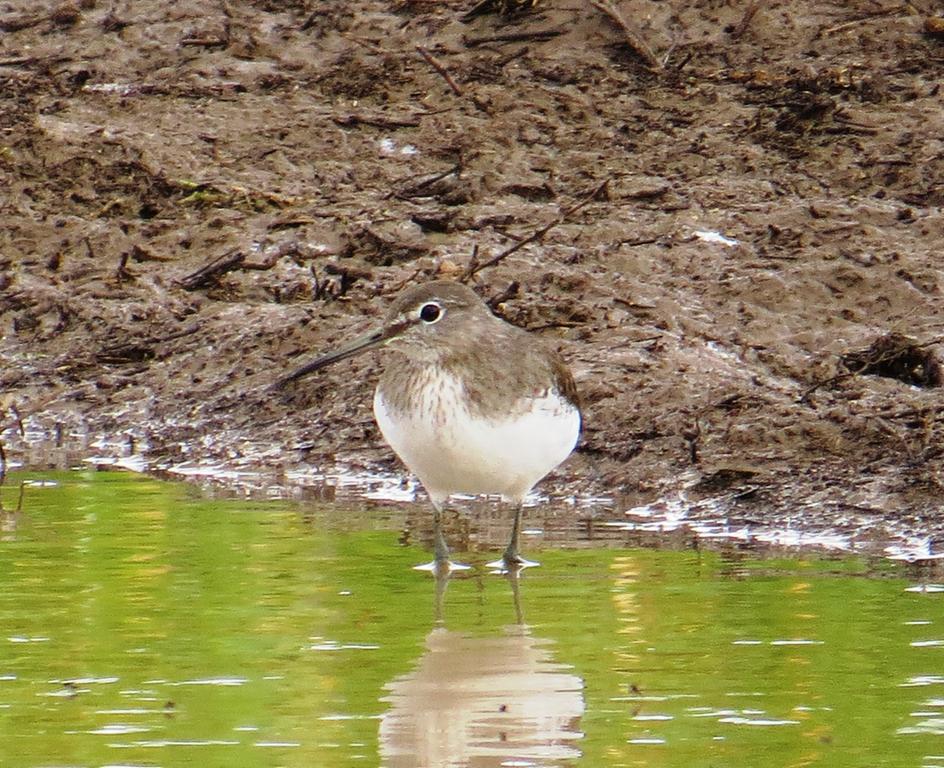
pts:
[141, 624]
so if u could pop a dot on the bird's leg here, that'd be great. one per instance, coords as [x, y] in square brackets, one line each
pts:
[511, 556]
[512, 561]
[441, 566]
[440, 548]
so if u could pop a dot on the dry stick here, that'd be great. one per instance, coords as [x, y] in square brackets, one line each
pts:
[805, 397]
[19, 421]
[287, 248]
[431, 60]
[15, 24]
[394, 289]
[204, 42]
[565, 214]
[415, 189]
[214, 269]
[849, 374]
[911, 413]
[122, 273]
[523, 51]
[369, 45]
[888, 429]
[514, 287]
[746, 19]
[862, 18]
[633, 37]
[377, 121]
[512, 37]
[188, 331]
[474, 258]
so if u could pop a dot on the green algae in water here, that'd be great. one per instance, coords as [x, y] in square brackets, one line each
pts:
[145, 625]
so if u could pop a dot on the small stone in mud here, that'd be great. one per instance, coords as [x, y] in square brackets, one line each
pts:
[66, 14]
[934, 26]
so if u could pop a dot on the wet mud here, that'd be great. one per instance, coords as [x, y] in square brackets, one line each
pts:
[727, 215]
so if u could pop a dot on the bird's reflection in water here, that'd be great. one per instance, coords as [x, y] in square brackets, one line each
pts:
[482, 701]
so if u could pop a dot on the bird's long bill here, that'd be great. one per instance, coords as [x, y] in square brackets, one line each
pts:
[361, 344]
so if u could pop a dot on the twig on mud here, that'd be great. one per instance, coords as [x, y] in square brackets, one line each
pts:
[394, 289]
[845, 125]
[205, 42]
[123, 273]
[19, 420]
[113, 23]
[474, 267]
[140, 350]
[866, 365]
[288, 248]
[416, 189]
[368, 44]
[692, 436]
[511, 292]
[213, 270]
[749, 13]
[338, 281]
[235, 259]
[632, 36]
[223, 39]
[889, 430]
[17, 61]
[141, 254]
[188, 331]
[805, 397]
[898, 10]
[512, 37]
[523, 51]
[443, 72]
[377, 121]
[555, 324]
[16, 23]
[913, 413]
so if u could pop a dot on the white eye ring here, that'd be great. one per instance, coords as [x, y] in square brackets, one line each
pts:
[431, 312]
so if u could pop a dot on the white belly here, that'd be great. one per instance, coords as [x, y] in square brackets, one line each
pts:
[453, 451]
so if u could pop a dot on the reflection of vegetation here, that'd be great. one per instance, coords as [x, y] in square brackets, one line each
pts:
[129, 578]
[112, 576]
[794, 666]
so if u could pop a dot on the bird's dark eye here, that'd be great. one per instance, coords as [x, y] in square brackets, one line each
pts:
[430, 313]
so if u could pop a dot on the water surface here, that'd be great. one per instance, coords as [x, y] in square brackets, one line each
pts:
[141, 624]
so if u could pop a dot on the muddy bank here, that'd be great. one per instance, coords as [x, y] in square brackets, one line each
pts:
[743, 272]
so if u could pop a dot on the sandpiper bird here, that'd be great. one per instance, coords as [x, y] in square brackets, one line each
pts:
[470, 403]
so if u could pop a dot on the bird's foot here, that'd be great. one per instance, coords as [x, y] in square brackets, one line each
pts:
[442, 567]
[511, 562]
